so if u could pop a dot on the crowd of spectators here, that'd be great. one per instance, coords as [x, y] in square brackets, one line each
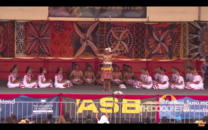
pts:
[65, 119]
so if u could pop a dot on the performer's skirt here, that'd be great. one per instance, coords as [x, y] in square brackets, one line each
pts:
[107, 72]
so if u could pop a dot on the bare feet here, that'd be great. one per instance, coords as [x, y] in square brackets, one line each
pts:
[110, 90]
[103, 89]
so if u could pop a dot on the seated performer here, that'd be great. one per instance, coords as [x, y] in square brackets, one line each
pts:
[129, 77]
[70, 70]
[155, 76]
[204, 67]
[143, 77]
[124, 70]
[12, 82]
[117, 77]
[163, 81]
[85, 69]
[196, 83]
[98, 75]
[59, 82]
[179, 84]
[31, 75]
[42, 82]
[16, 74]
[173, 76]
[27, 81]
[77, 76]
[147, 83]
[89, 76]
[188, 75]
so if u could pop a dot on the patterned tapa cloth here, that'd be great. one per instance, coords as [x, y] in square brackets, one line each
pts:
[107, 72]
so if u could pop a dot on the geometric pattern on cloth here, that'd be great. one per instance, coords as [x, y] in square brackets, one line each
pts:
[163, 41]
[198, 39]
[20, 39]
[140, 32]
[7, 39]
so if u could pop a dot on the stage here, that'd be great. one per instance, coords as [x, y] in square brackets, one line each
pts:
[97, 90]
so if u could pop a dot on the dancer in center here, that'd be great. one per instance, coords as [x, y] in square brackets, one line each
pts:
[107, 70]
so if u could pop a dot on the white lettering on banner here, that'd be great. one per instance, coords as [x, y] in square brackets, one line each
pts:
[42, 108]
[7, 101]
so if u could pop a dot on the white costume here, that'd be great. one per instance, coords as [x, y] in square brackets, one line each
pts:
[43, 85]
[198, 86]
[204, 66]
[180, 78]
[188, 78]
[117, 80]
[16, 75]
[60, 85]
[163, 78]
[148, 80]
[13, 85]
[29, 85]
[143, 77]
[103, 120]
[156, 76]
[174, 78]
[89, 79]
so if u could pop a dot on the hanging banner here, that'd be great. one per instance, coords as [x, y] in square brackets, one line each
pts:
[122, 108]
[98, 12]
[186, 108]
[26, 107]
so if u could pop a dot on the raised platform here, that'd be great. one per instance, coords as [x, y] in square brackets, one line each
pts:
[97, 90]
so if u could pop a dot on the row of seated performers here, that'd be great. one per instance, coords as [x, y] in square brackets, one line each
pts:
[75, 76]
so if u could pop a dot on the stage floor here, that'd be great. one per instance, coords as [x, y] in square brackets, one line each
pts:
[97, 89]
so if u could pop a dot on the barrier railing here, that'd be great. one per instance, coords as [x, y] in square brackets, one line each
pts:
[118, 112]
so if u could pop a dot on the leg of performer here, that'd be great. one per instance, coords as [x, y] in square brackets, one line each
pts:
[104, 84]
[109, 85]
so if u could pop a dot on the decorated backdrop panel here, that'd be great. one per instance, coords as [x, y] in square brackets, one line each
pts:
[198, 39]
[7, 39]
[82, 39]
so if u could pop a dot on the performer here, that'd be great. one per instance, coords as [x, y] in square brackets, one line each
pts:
[117, 77]
[188, 75]
[77, 76]
[98, 75]
[12, 82]
[42, 82]
[129, 77]
[173, 76]
[163, 81]
[147, 83]
[197, 82]
[59, 82]
[143, 77]
[107, 68]
[31, 75]
[124, 70]
[155, 76]
[89, 76]
[70, 70]
[27, 81]
[188, 63]
[179, 84]
[85, 69]
[204, 67]
[16, 74]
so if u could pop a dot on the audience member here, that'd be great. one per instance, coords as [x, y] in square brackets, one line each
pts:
[49, 117]
[60, 120]
[147, 120]
[45, 121]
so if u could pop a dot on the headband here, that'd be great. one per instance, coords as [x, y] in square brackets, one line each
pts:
[108, 49]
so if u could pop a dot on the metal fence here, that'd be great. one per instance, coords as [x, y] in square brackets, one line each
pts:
[117, 112]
